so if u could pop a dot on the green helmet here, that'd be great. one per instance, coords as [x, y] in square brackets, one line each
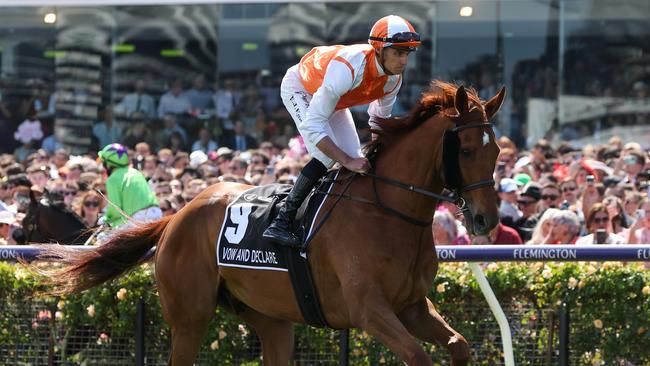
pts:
[114, 155]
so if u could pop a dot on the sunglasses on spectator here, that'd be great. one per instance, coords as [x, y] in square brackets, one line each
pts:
[91, 204]
[21, 198]
[525, 203]
[551, 197]
[65, 193]
[569, 189]
[600, 220]
[630, 160]
[256, 161]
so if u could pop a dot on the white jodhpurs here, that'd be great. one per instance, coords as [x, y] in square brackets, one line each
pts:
[148, 214]
[340, 127]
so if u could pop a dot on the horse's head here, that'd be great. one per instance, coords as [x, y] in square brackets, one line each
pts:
[464, 159]
[47, 221]
[469, 157]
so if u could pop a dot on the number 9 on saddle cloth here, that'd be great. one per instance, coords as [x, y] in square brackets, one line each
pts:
[240, 242]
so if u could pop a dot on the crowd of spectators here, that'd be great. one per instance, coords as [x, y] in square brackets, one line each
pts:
[595, 195]
[546, 195]
[194, 136]
[188, 116]
[78, 182]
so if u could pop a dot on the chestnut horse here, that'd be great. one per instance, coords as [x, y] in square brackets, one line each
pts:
[372, 265]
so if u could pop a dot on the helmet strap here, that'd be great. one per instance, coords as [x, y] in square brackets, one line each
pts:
[109, 169]
[380, 55]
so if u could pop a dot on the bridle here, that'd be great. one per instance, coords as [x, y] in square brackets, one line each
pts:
[30, 222]
[452, 143]
[451, 147]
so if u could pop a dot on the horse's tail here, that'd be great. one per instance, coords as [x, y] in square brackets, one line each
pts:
[84, 269]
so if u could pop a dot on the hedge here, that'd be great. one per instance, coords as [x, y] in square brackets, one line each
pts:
[610, 314]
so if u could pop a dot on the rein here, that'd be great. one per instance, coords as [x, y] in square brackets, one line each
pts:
[454, 197]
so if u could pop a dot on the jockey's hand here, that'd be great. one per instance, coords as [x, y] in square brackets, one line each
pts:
[358, 165]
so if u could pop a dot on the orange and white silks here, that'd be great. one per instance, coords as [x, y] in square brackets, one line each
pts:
[313, 67]
[318, 91]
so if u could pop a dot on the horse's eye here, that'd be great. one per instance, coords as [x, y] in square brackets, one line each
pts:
[465, 153]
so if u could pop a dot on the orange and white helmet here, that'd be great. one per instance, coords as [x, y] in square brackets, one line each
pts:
[393, 31]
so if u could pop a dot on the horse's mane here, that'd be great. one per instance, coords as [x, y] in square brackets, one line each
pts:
[438, 99]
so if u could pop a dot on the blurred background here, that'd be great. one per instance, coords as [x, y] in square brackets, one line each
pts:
[576, 71]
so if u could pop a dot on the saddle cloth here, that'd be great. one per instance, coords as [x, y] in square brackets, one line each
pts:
[240, 242]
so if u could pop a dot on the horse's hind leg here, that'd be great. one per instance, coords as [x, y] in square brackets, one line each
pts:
[188, 305]
[423, 321]
[275, 335]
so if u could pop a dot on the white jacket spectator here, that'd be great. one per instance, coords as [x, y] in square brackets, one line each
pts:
[138, 101]
[611, 239]
[174, 101]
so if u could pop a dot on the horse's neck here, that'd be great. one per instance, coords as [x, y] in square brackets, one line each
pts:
[415, 163]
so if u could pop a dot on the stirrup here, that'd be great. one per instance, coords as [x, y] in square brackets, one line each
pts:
[282, 237]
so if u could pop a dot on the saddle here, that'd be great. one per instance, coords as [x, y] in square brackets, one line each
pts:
[240, 242]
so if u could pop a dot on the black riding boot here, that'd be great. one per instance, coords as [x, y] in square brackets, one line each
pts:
[280, 231]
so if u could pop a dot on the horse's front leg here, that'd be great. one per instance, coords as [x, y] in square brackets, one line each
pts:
[423, 321]
[377, 318]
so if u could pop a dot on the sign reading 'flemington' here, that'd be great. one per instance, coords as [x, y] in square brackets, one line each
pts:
[517, 253]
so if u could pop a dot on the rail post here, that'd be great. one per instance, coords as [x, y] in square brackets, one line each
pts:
[140, 333]
[565, 327]
[344, 347]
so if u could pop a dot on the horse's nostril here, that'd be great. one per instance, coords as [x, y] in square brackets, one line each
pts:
[480, 222]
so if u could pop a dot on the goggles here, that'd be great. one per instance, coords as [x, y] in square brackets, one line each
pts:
[397, 38]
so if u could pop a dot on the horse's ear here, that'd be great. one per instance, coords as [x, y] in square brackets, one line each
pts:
[461, 102]
[493, 105]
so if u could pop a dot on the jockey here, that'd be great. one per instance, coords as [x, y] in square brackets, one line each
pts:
[318, 92]
[127, 189]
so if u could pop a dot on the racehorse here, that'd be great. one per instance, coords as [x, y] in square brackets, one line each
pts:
[46, 221]
[372, 261]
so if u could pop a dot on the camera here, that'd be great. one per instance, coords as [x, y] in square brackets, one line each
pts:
[501, 168]
[601, 236]
[139, 162]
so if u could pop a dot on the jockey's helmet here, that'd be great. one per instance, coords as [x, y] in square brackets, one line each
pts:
[114, 155]
[394, 31]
